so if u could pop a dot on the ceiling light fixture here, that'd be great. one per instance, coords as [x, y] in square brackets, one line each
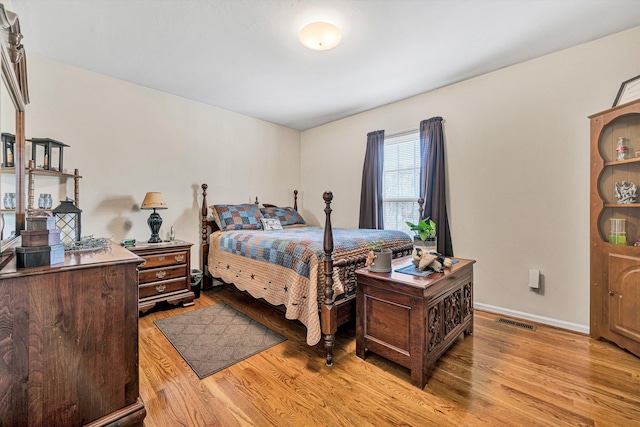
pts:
[320, 36]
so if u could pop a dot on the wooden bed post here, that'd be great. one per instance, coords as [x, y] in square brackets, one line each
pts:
[329, 317]
[204, 242]
[295, 199]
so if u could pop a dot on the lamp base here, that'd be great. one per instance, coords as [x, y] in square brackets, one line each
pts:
[154, 222]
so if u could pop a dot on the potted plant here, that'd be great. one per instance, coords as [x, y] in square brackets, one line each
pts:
[425, 233]
[379, 259]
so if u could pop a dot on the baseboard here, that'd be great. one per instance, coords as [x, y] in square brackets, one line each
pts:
[576, 327]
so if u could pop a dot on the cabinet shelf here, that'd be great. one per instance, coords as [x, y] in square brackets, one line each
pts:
[44, 172]
[622, 162]
[33, 172]
[622, 205]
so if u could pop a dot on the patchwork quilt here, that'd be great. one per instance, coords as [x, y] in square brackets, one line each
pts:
[285, 266]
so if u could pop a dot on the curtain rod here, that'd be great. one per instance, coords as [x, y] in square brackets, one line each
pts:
[401, 133]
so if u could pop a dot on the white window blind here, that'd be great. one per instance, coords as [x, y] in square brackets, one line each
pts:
[401, 180]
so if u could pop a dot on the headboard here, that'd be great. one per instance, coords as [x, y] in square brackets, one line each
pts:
[208, 226]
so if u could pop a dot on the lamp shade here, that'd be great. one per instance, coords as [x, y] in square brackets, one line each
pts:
[320, 36]
[153, 200]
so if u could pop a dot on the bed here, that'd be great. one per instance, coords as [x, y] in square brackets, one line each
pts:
[292, 266]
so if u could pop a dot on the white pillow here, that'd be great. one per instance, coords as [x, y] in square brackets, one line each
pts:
[271, 224]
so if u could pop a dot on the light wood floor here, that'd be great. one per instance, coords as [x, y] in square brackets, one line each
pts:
[499, 376]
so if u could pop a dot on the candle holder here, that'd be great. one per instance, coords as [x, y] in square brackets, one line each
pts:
[47, 153]
[8, 146]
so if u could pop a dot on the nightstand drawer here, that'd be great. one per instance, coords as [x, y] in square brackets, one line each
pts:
[151, 261]
[165, 274]
[160, 288]
[162, 273]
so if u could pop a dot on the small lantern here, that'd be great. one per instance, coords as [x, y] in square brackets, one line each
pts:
[8, 146]
[47, 153]
[68, 221]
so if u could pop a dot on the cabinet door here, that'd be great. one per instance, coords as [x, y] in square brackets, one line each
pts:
[624, 295]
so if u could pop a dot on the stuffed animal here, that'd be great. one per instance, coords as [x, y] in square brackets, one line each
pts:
[423, 259]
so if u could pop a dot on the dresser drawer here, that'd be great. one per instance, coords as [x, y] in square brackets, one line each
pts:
[160, 288]
[162, 273]
[173, 258]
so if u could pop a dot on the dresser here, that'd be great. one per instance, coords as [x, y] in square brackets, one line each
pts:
[69, 341]
[413, 320]
[165, 274]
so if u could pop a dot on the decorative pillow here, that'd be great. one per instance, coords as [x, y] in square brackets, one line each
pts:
[237, 217]
[271, 224]
[287, 216]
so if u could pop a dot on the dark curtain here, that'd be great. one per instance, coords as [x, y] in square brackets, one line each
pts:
[432, 184]
[371, 194]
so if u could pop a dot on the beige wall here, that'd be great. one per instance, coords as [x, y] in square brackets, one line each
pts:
[517, 155]
[516, 151]
[127, 140]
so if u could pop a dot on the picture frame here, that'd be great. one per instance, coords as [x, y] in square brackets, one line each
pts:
[629, 91]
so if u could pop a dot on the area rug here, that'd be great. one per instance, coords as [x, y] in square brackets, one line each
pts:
[215, 337]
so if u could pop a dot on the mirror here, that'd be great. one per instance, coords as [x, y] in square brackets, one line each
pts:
[7, 167]
[13, 98]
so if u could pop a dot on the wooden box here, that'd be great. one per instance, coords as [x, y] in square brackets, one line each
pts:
[41, 223]
[40, 237]
[38, 256]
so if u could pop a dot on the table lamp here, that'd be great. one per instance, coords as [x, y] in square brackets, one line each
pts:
[154, 200]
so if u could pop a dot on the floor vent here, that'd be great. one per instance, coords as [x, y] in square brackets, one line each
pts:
[516, 324]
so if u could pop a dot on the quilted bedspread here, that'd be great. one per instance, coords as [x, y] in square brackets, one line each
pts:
[285, 266]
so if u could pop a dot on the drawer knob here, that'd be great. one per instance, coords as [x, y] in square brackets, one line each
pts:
[179, 258]
[161, 288]
[161, 274]
[143, 263]
[161, 258]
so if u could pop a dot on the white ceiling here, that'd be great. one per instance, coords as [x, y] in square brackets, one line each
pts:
[244, 55]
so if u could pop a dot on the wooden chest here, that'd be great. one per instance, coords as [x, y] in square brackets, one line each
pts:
[413, 320]
[164, 276]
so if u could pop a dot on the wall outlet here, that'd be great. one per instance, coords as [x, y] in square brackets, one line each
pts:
[534, 279]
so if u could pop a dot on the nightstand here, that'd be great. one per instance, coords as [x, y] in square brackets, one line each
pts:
[164, 276]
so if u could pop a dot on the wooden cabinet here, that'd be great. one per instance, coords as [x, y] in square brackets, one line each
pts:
[69, 342]
[413, 320]
[165, 274]
[615, 261]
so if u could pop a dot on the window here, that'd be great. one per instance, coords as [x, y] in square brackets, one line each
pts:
[401, 181]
